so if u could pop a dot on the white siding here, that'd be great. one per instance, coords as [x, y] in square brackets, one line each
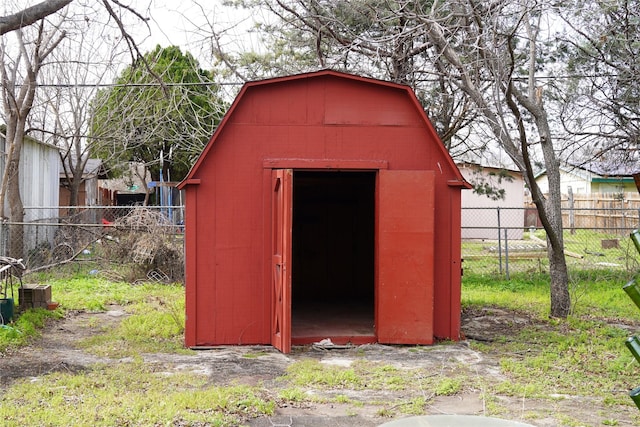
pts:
[479, 213]
[579, 184]
[39, 180]
[39, 187]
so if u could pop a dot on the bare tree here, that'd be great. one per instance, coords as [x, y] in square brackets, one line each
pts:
[86, 59]
[20, 67]
[506, 38]
[30, 15]
[602, 107]
[19, 72]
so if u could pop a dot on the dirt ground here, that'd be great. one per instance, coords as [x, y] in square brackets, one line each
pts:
[56, 351]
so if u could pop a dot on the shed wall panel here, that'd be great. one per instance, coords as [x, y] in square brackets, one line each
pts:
[346, 104]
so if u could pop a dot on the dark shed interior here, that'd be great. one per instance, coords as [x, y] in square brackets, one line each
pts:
[333, 253]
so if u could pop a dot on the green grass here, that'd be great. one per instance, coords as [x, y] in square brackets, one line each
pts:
[594, 294]
[128, 394]
[155, 322]
[558, 361]
[448, 387]
[583, 355]
[155, 325]
[26, 327]
[364, 374]
[310, 372]
[547, 359]
[121, 393]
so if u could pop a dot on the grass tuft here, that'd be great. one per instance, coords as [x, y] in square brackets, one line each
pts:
[129, 394]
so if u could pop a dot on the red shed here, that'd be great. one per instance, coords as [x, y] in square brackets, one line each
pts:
[324, 206]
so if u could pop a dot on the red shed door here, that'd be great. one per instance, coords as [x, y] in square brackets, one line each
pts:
[282, 180]
[405, 257]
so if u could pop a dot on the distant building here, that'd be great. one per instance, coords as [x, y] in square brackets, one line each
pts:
[88, 195]
[39, 170]
[132, 188]
[480, 211]
[593, 177]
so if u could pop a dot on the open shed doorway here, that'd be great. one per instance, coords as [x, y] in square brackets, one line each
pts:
[333, 235]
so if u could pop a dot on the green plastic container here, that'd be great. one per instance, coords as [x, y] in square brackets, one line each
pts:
[635, 396]
[635, 236]
[633, 290]
[633, 344]
[6, 310]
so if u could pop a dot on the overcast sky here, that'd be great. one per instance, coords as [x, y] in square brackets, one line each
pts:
[183, 24]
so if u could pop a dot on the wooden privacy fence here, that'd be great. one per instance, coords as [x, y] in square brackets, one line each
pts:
[615, 213]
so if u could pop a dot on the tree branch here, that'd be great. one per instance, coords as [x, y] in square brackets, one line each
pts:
[31, 15]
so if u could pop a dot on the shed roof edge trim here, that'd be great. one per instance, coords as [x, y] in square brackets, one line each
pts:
[457, 183]
[327, 72]
[189, 181]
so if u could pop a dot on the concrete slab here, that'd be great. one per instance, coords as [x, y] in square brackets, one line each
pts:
[453, 421]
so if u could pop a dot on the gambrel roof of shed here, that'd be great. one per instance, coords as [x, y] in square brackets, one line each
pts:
[247, 87]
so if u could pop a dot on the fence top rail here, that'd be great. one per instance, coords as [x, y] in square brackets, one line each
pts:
[104, 207]
[489, 208]
[87, 225]
[495, 208]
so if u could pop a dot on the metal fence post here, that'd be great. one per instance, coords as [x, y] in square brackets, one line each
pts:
[572, 216]
[2, 251]
[499, 241]
[506, 252]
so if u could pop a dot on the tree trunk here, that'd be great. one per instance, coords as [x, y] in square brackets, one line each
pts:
[550, 214]
[74, 193]
[549, 209]
[16, 209]
[560, 298]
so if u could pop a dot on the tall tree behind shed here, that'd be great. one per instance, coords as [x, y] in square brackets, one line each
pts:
[602, 105]
[495, 56]
[162, 125]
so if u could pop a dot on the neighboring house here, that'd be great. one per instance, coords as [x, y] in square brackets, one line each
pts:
[88, 194]
[129, 189]
[593, 177]
[39, 170]
[480, 211]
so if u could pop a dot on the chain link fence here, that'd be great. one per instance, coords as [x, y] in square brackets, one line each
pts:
[125, 242]
[146, 243]
[501, 241]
